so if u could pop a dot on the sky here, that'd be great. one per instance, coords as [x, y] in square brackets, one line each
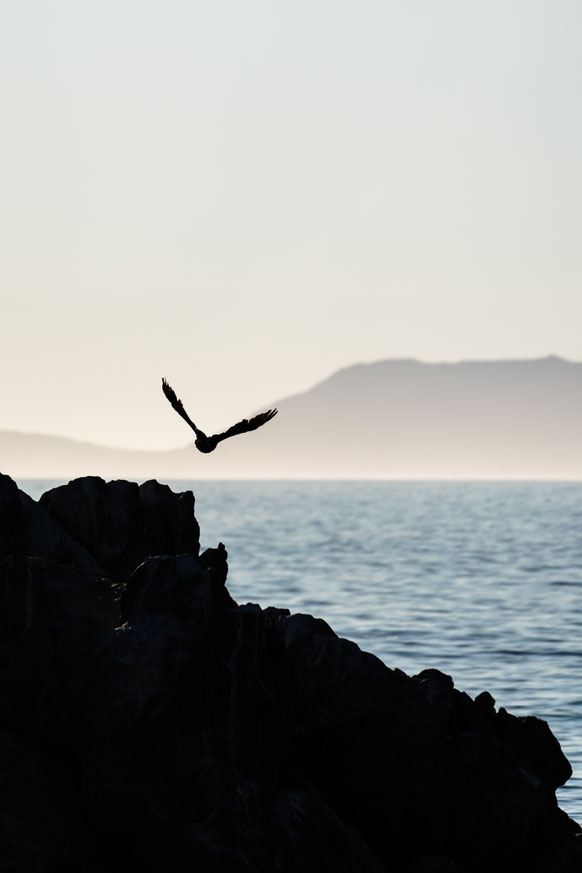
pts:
[246, 197]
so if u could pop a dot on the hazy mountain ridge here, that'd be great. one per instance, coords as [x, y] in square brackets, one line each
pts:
[387, 419]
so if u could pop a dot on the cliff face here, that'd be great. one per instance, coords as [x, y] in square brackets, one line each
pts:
[148, 722]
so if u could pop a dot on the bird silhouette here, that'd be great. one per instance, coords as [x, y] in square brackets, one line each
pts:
[206, 443]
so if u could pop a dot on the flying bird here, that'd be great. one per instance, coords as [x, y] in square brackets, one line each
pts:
[208, 443]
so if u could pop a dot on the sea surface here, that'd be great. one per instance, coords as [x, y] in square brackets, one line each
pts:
[482, 580]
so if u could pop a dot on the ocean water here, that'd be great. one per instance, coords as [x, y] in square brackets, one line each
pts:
[482, 580]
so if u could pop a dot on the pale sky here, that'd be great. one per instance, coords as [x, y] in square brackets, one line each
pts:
[247, 196]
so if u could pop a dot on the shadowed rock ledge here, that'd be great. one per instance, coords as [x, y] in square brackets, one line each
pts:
[148, 722]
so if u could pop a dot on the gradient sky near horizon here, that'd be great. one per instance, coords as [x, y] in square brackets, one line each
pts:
[245, 197]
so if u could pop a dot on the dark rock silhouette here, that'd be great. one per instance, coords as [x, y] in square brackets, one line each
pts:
[206, 443]
[120, 524]
[148, 722]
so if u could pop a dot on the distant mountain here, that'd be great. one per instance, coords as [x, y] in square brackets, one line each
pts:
[391, 419]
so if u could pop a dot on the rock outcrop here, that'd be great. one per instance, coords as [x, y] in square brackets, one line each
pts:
[148, 722]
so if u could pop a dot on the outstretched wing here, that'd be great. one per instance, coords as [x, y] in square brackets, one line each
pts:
[178, 406]
[247, 424]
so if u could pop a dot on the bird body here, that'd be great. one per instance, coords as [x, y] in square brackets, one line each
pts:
[206, 443]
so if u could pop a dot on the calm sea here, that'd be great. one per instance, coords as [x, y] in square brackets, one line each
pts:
[480, 580]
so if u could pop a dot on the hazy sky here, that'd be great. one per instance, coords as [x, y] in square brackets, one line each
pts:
[246, 196]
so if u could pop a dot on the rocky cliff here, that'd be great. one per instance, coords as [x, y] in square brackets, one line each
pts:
[148, 722]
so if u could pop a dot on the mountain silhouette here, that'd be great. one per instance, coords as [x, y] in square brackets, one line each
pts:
[400, 419]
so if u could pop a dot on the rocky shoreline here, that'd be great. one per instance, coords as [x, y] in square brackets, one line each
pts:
[149, 722]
